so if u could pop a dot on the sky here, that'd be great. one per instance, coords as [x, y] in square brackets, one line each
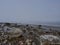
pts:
[29, 11]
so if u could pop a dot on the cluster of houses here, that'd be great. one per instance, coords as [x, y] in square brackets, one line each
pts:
[27, 34]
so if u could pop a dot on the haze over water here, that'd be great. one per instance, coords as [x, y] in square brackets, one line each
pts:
[30, 11]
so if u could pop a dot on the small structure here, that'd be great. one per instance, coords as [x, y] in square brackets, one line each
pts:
[49, 40]
[14, 32]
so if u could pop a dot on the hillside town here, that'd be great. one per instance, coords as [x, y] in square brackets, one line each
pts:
[28, 34]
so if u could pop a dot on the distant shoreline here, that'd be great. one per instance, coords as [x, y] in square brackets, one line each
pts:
[46, 24]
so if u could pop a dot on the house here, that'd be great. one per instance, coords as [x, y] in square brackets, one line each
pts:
[49, 40]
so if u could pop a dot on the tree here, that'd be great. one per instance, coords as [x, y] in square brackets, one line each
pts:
[39, 26]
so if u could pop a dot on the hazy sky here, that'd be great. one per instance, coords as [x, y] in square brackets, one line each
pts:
[30, 11]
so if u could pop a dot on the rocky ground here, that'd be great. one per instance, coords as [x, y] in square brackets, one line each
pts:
[28, 34]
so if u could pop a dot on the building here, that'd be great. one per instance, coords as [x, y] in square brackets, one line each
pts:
[49, 40]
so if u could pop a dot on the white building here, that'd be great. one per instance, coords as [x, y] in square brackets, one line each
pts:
[51, 39]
